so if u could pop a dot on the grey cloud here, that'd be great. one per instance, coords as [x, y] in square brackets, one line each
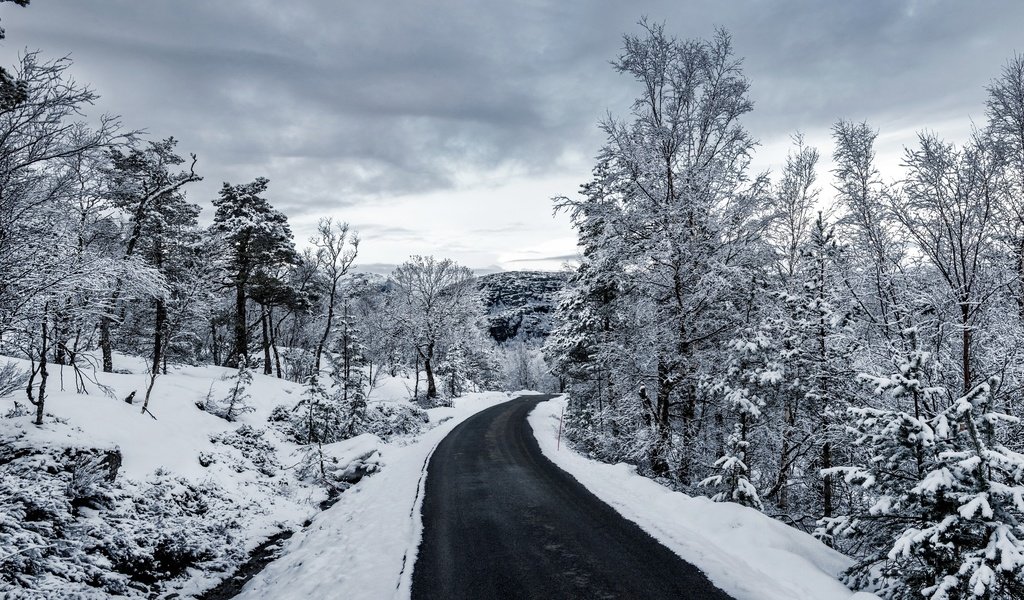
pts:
[352, 102]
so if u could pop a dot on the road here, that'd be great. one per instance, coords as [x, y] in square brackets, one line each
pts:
[502, 521]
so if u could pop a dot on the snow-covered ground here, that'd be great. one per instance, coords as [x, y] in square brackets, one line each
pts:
[262, 495]
[744, 552]
[364, 547]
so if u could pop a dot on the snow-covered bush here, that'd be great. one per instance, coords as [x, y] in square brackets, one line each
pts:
[68, 530]
[236, 402]
[390, 419]
[341, 464]
[944, 498]
[254, 451]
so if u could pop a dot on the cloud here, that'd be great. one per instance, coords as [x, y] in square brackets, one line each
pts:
[354, 104]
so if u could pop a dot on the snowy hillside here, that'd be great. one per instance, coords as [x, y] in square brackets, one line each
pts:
[104, 501]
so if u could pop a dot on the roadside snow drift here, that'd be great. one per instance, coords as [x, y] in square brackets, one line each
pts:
[242, 473]
[364, 547]
[744, 552]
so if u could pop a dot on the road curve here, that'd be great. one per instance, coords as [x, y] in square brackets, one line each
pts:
[502, 521]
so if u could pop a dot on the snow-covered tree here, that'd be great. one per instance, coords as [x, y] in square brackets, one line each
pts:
[318, 417]
[733, 481]
[943, 497]
[349, 371]
[1005, 112]
[143, 184]
[336, 250]
[256, 238]
[236, 402]
[437, 301]
[754, 369]
[673, 210]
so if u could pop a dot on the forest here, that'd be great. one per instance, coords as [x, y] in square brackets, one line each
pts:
[842, 354]
[851, 367]
[109, 269]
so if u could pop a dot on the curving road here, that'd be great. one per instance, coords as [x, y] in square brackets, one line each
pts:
[502, 521]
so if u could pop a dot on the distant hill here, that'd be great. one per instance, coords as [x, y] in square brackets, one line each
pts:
[521, 301]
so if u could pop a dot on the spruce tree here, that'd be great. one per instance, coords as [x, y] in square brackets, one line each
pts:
[943, 508]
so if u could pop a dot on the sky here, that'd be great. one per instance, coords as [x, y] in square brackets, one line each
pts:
[446, 128]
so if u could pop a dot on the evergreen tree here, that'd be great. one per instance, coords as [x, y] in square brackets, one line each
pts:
[944, 499]
[754, 369]
[733, 482]
[318, 416]
[142, 183]
[814, 355]
[236, 402]
[350, 373]
[256, 239]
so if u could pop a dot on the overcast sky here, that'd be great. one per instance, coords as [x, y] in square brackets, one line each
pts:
[445, 127]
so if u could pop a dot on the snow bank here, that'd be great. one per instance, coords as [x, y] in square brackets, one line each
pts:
[744, 552]
[365, 545]
[249, 462]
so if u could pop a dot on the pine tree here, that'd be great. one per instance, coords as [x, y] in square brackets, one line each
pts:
[349, 373]
[754, 368]
[733, 482]
[256, 239]
[943, 498]
[814, 355]
[142, 183]
[318, 416]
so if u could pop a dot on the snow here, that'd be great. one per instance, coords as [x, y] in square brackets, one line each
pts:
[173, 439]
[742, 551]
[180, 433]
[392, 389]
[365, 545]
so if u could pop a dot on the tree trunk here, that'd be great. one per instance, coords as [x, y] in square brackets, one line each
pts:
[268, 368]
[158, 333]
[214, 343]
[1020, 273]
[965, 352]
[158, 347]
[42, 373]
[273, 341]
[105, 347]
[782, 483]
[826, 480]
[416, 388]
[327, 328]
[428, 369]
[241, 350]
[659, 463]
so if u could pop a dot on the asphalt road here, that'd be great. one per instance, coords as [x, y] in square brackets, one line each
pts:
[502, 521]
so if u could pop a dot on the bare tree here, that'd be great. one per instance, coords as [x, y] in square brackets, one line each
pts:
[1005, 110]
[336, 250]
[438, 298]
[949, 206]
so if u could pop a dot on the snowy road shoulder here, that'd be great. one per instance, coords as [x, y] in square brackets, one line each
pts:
[365, 545]
[744, 552]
